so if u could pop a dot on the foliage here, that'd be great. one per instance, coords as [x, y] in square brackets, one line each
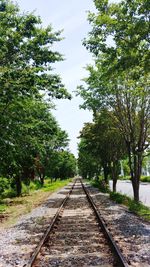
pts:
[126, 168]
[88, 165]
[28, 131]
[4, 184]
[119, 78]
[145, 179]
[103, 187]
[104, 146]
[62, 165]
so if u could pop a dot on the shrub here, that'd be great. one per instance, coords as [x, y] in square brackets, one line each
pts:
[4, 184]
[119, 198]
[103, 187]
[35, 185]
[145, 179]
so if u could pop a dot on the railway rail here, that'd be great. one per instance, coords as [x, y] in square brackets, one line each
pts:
[77, 236]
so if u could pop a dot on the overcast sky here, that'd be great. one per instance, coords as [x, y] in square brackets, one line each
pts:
[70, 15]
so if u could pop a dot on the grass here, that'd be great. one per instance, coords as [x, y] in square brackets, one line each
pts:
[2, 207]
[50, 187]
[137, 208]
[14, 207]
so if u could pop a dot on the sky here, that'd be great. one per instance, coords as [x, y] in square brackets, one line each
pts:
[70, 15]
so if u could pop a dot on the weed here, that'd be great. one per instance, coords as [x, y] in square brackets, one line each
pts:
[137, 208]
[103, 187]
[2, 207]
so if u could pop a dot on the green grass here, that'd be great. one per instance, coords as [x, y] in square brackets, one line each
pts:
[137, 208]
[14, 207]
[48, 186]
[34, 186]
[3, 207]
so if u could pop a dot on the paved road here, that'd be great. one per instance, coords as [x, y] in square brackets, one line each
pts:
[125, 187]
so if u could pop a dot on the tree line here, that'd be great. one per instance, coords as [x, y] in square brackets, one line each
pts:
[31, 141]
[117, 89]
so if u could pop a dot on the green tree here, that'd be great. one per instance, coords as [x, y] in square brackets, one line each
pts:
[32, 133]
[62, 165]
[27, 127]
[88, 165]
[47, 160]
[105, 144]
[120, 77]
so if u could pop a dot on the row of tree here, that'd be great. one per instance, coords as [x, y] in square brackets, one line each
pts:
[101, 148]
[31, 141]
[119, 82]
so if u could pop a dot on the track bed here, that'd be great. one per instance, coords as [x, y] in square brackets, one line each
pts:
[76, 238]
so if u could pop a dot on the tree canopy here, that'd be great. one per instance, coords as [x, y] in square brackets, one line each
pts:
[28, 131]
[119, 79]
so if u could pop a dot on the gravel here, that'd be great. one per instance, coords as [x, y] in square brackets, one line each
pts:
[130, 232]
[18, 242]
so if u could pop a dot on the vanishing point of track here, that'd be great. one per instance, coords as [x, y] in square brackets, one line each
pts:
[77, 236]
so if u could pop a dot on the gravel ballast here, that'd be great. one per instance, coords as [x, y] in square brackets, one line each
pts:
[18, 242]
[130, 232]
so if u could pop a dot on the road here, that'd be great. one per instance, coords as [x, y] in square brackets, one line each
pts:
[125, 187]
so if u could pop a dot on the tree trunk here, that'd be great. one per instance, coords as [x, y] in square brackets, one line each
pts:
[135, 169]
[106, 172]
[114, 172]
[114, 185]
[135, 185]
[42, 180]
[18, 185]
[42, 176]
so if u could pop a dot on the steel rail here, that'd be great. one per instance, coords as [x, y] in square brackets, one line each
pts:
[44, 238]
[120, 258]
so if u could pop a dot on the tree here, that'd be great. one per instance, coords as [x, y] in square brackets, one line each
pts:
[62, 164]
[105, 144]
[32, 133]
[26, 77]
[88, 165]
[120, 77]
[46, 160]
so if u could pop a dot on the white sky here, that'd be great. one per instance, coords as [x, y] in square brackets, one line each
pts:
[71, 16]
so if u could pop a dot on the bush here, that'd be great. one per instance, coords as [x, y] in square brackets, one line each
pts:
[25, 189]
[4, 184]
[103, 187]
[35, 185]
[119, 198]
[9, 193]
[145, 179]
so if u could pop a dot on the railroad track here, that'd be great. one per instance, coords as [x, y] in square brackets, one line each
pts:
[77, 236]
